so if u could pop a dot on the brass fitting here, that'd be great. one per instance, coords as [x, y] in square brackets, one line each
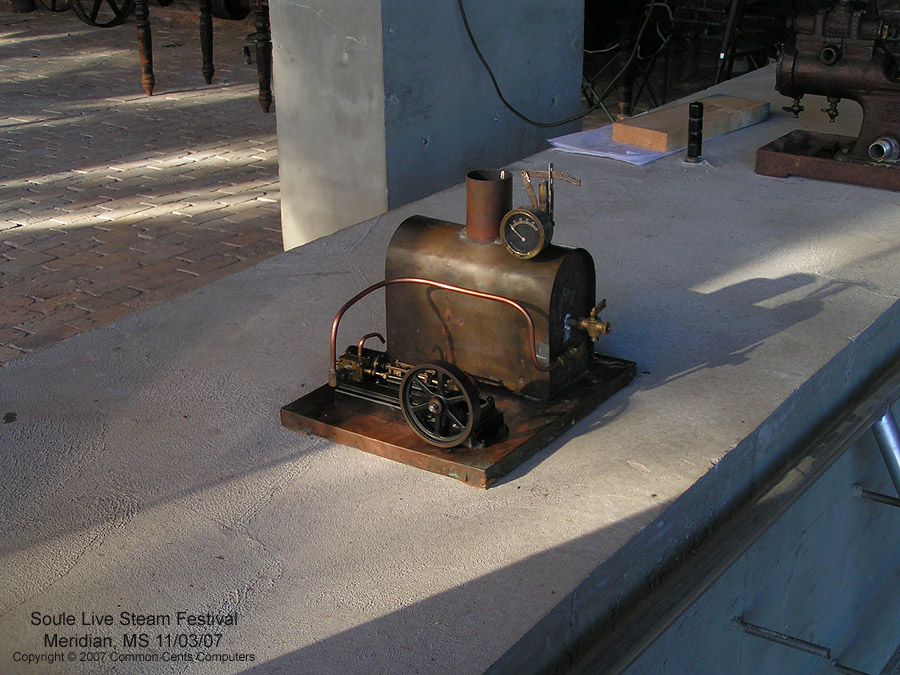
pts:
[592, 325]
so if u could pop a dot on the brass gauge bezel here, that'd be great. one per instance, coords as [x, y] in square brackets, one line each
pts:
[539, 223]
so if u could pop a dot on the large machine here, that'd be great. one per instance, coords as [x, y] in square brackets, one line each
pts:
[842, 52]
[489, 347]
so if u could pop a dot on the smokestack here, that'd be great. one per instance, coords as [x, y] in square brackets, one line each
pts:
[488, 199]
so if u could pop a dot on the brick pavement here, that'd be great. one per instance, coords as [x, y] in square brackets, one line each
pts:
[110, 200]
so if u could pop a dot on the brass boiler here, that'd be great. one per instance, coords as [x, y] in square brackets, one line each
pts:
[841, 53]
[488, 340]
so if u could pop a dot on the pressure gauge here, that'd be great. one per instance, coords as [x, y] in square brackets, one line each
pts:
[526, 231]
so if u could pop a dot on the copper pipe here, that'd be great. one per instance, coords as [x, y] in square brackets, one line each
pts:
[362, 341]
[447, 287]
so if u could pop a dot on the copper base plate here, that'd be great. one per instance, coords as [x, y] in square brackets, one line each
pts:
[380, 430]
[823, 156]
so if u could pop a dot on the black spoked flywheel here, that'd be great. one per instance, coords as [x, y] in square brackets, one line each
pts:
[440, 402]
[103, 13]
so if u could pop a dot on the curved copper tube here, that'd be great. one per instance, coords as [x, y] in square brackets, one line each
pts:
[447, 287]
[362, 341]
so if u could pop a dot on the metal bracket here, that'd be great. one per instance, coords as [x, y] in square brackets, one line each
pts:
[794, 643]
[782, 638]
[545, 202]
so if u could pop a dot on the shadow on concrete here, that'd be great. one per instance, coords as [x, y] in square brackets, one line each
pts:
[421, 628]
[753, 303]
[762, 307]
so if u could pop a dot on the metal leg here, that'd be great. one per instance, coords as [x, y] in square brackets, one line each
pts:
[145, 46]
[206, 39]
[627, 40]
[888, 436]
[729, 41]
[263, 53]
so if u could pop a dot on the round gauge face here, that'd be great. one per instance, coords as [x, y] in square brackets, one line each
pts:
[525, 232]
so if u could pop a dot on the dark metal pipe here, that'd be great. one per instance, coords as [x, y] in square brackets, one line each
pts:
[729, 41]
[783, 639]
[695, 132]
[862, 493]
[145, 46]
[206, 37]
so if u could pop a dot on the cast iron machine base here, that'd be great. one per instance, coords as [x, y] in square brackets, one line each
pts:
[825, 157]
[841, 52]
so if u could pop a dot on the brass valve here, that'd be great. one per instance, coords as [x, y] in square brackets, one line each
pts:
[795, 108]
[592, 325]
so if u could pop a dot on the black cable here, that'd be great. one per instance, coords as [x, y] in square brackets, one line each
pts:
[545, 125]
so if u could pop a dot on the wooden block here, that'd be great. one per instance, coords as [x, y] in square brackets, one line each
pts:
[666, 129]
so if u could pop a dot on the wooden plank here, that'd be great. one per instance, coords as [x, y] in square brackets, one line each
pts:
[666, 129]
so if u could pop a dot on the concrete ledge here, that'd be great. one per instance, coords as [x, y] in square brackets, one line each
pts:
[608, 621]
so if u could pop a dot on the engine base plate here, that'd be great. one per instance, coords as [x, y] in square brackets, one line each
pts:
[380, 429]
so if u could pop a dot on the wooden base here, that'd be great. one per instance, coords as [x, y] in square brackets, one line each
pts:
[380, 430]
[666, 129]
[826, 157]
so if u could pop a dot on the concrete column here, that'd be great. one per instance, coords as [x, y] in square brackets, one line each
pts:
[382, 102]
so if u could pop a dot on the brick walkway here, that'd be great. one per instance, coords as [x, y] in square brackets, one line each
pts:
[110, 200]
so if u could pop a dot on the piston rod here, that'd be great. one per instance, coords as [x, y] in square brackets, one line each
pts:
[888, 436]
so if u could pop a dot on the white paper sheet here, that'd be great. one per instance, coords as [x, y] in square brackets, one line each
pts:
[599, 143]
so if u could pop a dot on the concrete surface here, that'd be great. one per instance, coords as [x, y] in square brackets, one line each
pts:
[145, 470]
[382, 103]
[111, 200]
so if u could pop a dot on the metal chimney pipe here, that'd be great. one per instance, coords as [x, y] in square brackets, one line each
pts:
[488, 199]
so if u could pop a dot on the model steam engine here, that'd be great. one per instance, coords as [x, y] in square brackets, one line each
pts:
[489, 351]
[841, 53]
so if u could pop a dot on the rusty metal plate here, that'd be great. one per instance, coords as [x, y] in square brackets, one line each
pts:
[381, 430]
[814, 155]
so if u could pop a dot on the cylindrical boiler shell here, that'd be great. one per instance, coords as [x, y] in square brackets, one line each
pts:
[485, 338]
